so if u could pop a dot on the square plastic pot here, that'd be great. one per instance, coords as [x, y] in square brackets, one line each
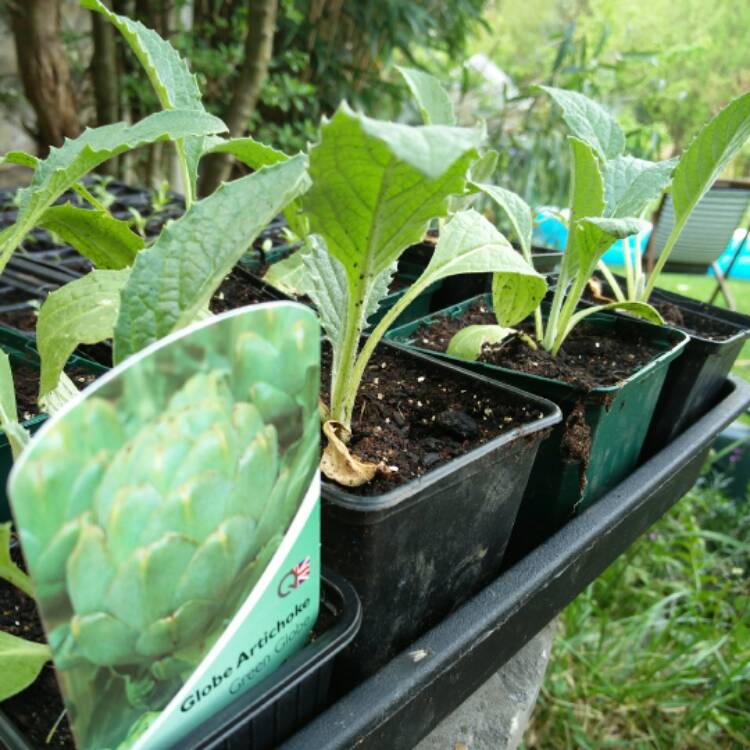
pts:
[694, 381]
[617, 416]
[416, 552]
[294, 694]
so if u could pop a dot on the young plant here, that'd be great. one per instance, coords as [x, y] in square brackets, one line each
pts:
[376, 186]
[632, 185]
[587, 243]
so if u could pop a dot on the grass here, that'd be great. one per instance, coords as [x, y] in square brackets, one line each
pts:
[656, 652]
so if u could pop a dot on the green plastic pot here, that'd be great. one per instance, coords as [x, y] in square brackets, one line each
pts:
[617, 416]
[21, 350]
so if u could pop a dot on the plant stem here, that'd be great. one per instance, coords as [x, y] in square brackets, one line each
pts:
[567, 312]
[610, 277]
[663, 257]
[372, 341]
[344, 361]
[189, 187]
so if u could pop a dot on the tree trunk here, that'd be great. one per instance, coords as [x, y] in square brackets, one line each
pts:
[106, 79]
[261, 22]
[44, 70]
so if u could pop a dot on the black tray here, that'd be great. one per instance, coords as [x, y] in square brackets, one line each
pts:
[405, 700]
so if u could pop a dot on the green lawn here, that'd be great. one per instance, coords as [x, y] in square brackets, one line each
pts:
[656, 652]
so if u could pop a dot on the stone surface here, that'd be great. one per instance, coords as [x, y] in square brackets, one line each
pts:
[496, 716]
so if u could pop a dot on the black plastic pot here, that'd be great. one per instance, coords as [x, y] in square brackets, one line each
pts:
[410, 696]
[617, 418]
[266, 715]
[418, 551]
[694, 381]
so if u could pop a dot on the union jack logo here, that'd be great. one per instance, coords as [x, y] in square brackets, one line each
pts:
[294, 578]
[301, 572]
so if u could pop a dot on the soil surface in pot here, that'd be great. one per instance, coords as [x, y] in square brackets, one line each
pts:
[415, 417]
[237, 290]
[702, 326]
[36, 710]
[587, 359]
[26, 380]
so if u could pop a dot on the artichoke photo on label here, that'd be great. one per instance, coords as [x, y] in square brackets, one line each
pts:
[169, 518]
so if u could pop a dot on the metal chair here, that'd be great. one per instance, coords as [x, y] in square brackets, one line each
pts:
[707, 233]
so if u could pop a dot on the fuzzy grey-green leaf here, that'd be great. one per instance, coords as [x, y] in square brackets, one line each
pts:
[589, 121]
[432, 98]
[174, 279]
[630, 184]
[83, 311]
[107, 242]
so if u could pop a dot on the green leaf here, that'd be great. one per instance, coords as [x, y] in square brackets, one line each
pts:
[256, 155]
[173, 280]
[469, 342]
[639, 309]
[83, 311]
[66, 165]
[589, 121]
[247, 150]
[516, 209]
[377, 185]
[432, 98]
[631, 184]
[22, 662]
[175, 86]
[107, 242]
[595, 235]
[20, 159]
[16, 434]
[9, 571]
[708, 154]
[289, 275]
[586, 200]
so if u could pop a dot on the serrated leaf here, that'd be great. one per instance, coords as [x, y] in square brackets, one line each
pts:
[107, 242]
[15, 433]
[22, 662]
[708, 154]
[630, 184]
[434, 103]
[376, 186]
[589, 121]
[516, 209]
[83, 311]
[66, 165]
[470, 244]
[469, 342]
[174, 279]
[9, 571]
[175, 86]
